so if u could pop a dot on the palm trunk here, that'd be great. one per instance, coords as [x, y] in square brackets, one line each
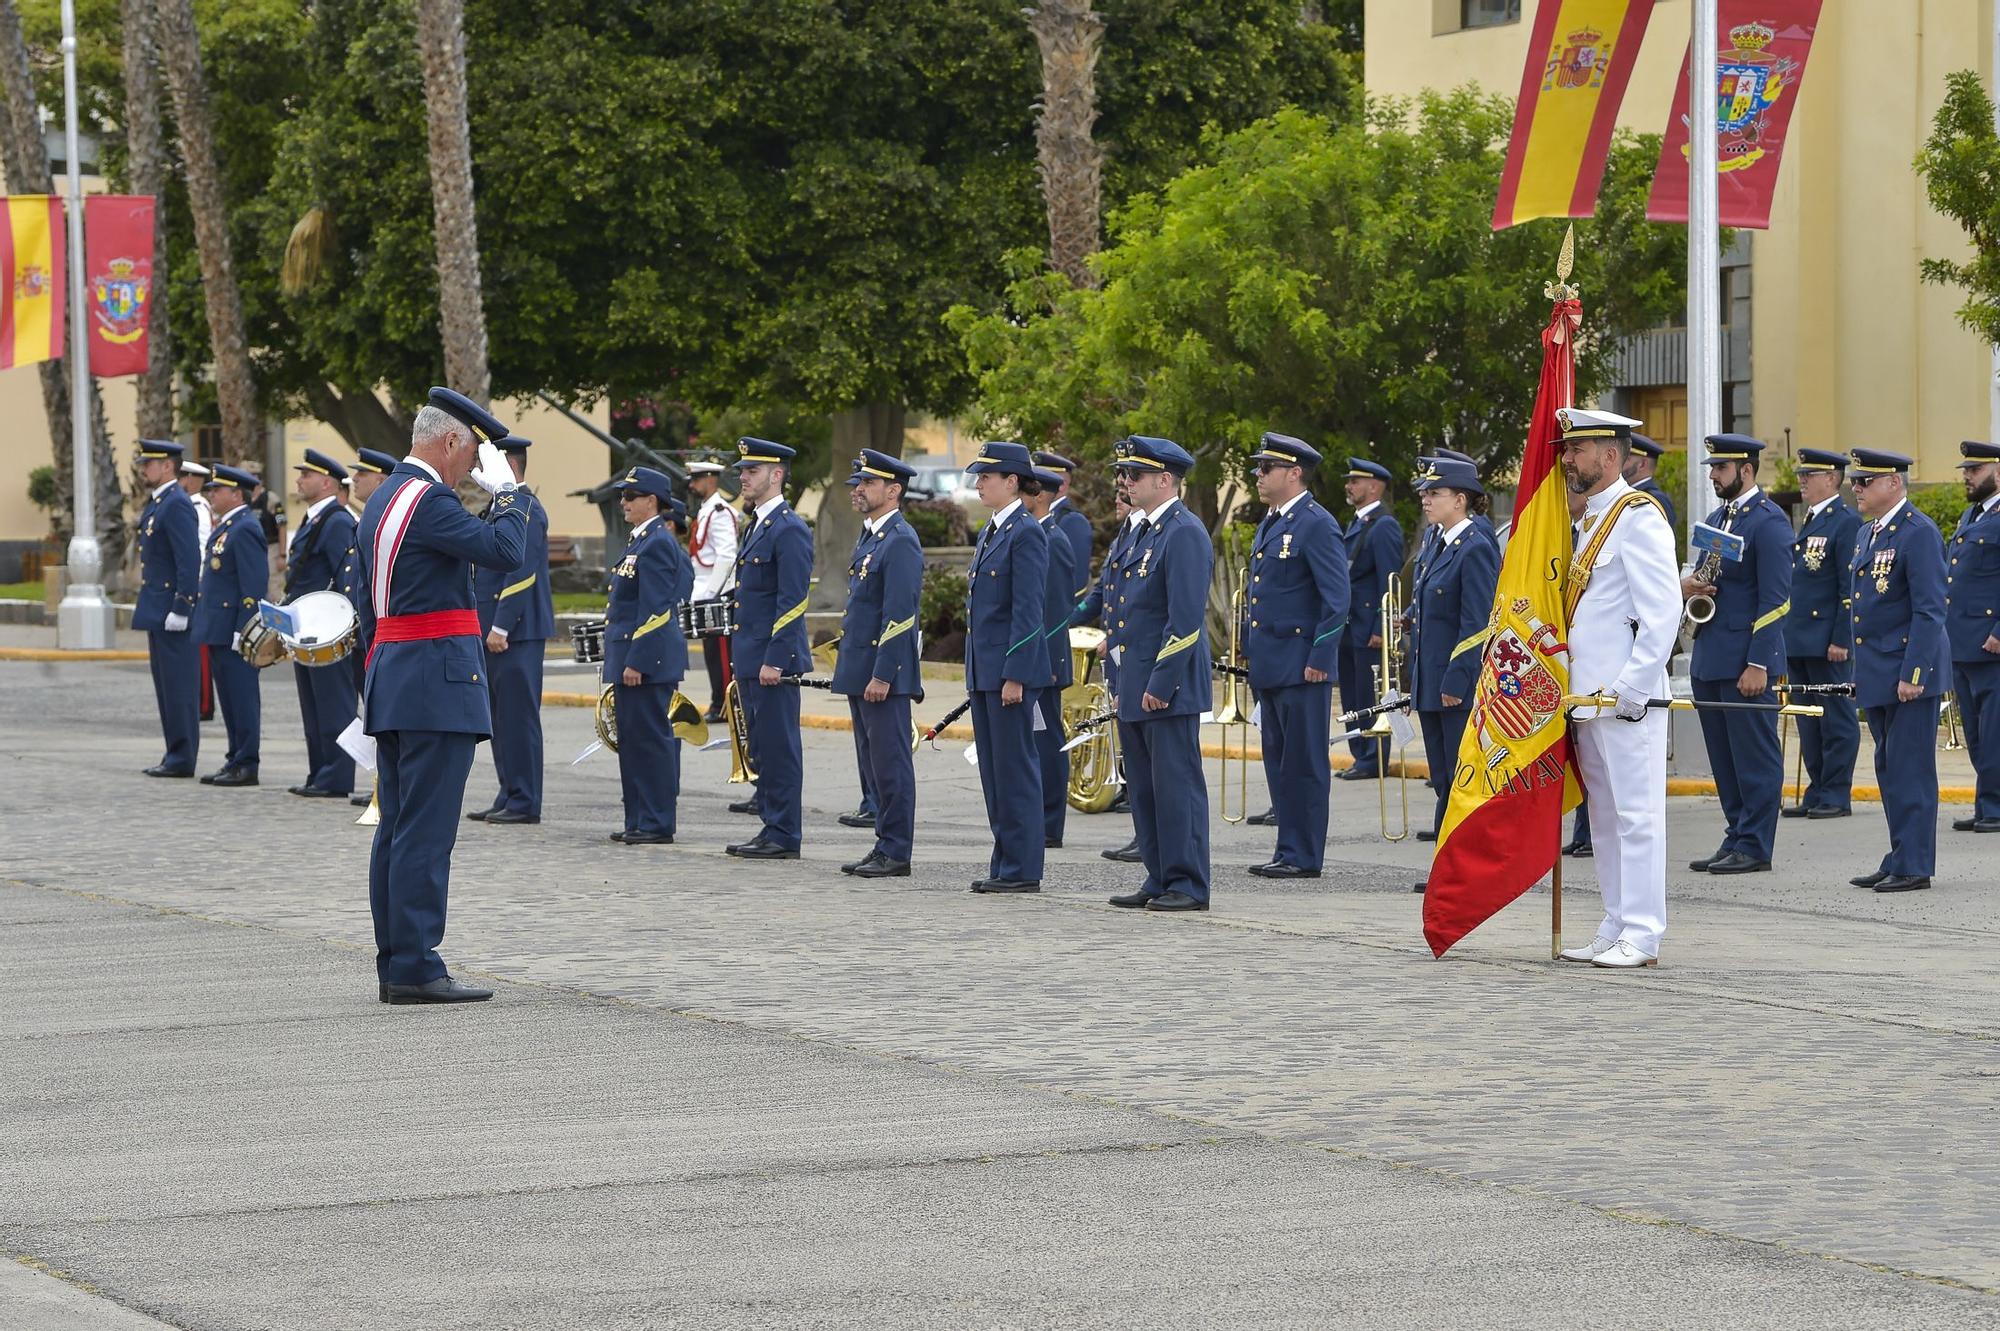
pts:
[461, 313]
[876, 425]
[26, 163]
[148, 170]
[235, 383]
[1068, 158]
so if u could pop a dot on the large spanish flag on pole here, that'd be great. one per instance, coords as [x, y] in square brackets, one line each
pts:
[1513, 781]
[1580, 58]
[31, 278]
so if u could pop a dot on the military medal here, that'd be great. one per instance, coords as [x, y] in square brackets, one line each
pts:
[1815, 552]
[864, 562]
[1285, 547]
[1144, 560]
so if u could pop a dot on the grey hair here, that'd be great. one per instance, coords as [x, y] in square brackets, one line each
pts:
[434, 425]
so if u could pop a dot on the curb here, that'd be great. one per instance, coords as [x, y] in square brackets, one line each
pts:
[56, 654]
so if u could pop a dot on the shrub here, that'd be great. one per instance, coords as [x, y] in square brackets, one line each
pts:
[939, 522]
[42, 490]
[942, 610]
[1942, 504]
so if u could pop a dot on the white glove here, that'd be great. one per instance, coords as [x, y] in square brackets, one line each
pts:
[1631, 706]
[492, 475]
[236, 643]
[176, 622]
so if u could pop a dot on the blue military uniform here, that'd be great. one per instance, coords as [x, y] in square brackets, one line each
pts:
[1972, 624]
[326, 693]
[1006, 641]
[1063, 588]
[1160, 636]
[1650, 486]
[234, 578]
[1752, 598]
[1822, 618]
[880, 639]
[649, 582]
[518, 604]
[1452, 595]
[1899, 638]
[1298, 607]
[773, 580]
[1067, 518]
[1374, 543]
[424, 695]
[169, 582]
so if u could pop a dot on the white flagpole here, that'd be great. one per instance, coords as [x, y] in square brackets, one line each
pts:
[1704, 312]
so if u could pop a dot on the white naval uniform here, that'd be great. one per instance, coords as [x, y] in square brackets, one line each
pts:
[1619, 640]
[713, 547]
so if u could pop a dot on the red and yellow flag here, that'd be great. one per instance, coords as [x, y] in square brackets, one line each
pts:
[1579, 60]
[1513, 780]
[31, 278]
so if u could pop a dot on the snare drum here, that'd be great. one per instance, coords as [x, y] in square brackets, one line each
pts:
[586, 641]
[260, 645]
[327, 628]
[708, 619]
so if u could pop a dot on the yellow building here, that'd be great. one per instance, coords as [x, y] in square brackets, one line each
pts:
[1832, 340]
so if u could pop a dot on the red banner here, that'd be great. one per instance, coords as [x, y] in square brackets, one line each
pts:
[118, 280]
[1758, 75]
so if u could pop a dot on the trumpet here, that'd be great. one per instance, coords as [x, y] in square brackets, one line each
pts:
[1388, 676]
[741, 768]
[1232, 715]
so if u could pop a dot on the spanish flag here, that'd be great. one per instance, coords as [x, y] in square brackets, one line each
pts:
[1513, 780]
[31, 280]
[1580, 58]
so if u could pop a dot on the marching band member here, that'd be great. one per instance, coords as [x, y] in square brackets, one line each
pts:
[326, 694]
[233, 580]
[1298, 606]
[774, 578]
[1374, 542]
[1161, 640]
[1742, 650]
[1819, 635]
[1090, 610]
[169, 574]
[1972, 593]
[1453, 597]
[1625, 609]
[518, 613]
[1066, 517]
[878, 669]
[366, 474]
[645, 657]
[1641, 472]
[1038, 495]
[425, 698]
[1901, 659]
[713, 550]
[1006, 666]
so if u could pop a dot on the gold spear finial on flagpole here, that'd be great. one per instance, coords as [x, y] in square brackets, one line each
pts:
[1561, 289]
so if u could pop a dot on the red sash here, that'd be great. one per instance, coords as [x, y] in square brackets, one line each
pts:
[421, 628]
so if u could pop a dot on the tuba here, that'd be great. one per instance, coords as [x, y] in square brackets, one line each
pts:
[1095, 771]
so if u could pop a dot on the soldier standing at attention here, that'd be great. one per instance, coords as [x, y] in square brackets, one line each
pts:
[1038, 495]
[1972, 622]
[1091, 610]
[169, 582]
[232, 582]
[326, 693]
[1819, 634]
[1642, 474]
[517, 611]
[1374, 551]
[712, 547]
[645, 657]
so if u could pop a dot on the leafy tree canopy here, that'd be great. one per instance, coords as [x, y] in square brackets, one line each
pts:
[1960, 167]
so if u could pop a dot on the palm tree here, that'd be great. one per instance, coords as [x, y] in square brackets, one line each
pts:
[461, 313]
[1070, 162]
[147, 154]
[235, 384]
[25, 159]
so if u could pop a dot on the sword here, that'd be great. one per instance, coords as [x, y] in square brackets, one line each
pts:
[1610, 700]
[1819, 690]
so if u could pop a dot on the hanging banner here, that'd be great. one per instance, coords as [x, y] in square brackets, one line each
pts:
[31, 276]
[1580, 58]
[1757, 84]
[118, 280]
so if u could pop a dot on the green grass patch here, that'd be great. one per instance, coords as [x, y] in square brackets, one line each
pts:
[23, 591]
[580, 603]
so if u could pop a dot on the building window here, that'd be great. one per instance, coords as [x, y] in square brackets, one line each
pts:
[208, 444]
[1488, 13]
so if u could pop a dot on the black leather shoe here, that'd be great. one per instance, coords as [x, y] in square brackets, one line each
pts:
[361, 801]
[1986, 824]
[315, 793]
[1795, 811]
[1268, 818]
[476, 816]
[1737, 862]
[1125, 854]
[209, 780]
[1903, 882]
[1868, 879]
[233, 776]
[1957, 824]
[381, 991]
[1583, 851]
[712, 715]
[1006, 885]
[1701, 866]
[869, 858]
[1133, 900]
[443, 989]
[1421, 888]
[510, 818]
[1175, 901]
[1826, 811]
[744, 806]
[857, 820]
[157, 770]
[1279, 869]
[618, 836]
[883, 867]
[1120, 803]
[1425, 834]
[1356, 774]
[1051, 843]
[757, 848]
[648, 838]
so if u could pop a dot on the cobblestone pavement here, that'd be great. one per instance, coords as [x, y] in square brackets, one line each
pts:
[1812, 1068]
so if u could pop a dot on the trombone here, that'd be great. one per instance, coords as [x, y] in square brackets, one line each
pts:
[1232, 715]
[1388, 674]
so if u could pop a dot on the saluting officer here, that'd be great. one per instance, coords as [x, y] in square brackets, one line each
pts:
[326, 693]
[1066, 517]
[366, 476]
[774, 578]
[1819, 634]
[1374, 542]
[169, 582]
[1007, 665]
[878, 669]
[1743, 647]
[1091, 610]
[1038, 494]
[425, 691]
[1166, 678]
[645, 657]
[1453, 598]
[518, 613]
[1298, 608]
[1972, 623]
[235, 576]
[1901, 660]
[1642, 474]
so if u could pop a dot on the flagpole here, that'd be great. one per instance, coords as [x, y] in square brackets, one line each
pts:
[84, 620]
[1556, 898]
[1704, 304]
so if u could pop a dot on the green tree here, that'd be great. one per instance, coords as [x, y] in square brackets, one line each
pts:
[1960, 168]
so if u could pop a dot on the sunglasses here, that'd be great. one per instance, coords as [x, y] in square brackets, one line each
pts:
[1266, 468]
[1863, 482]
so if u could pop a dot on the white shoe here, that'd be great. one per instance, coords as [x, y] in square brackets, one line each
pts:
[1621, 955]
[1589, 951]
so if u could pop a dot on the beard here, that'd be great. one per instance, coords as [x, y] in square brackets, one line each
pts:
[1978, 492]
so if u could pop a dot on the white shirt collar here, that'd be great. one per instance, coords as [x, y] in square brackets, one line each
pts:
[174, 484]
[1161, 511]
[1290, 504]
[1743, 500]
[1594, 506]
[765, 509]
[426, 468]
[647, 523]
[1000, 518]
[1822, 505]
[1133, 518]
[1992, 501]
[1457, 530]
[1883, 521]
[878, 525]
[320, 507]
[223, 519]
[1366, 509]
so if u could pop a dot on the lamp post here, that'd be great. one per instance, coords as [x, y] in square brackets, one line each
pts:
[84, 620]
[1704, 312]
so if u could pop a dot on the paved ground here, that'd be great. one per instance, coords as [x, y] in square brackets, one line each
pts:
[720, 1094]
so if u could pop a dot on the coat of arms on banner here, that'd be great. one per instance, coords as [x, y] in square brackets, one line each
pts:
[1580, 61]
[1748, 84]
[1525, 694]
[118, 301]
